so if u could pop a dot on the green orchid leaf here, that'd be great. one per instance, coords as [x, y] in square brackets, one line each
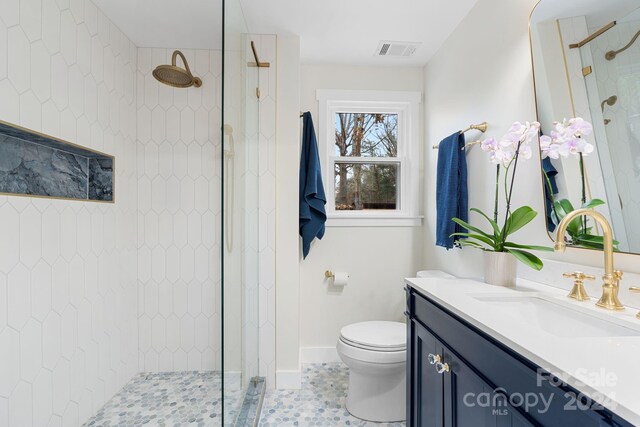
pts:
[494, 225]
[518, 219]
[470, 227]
[563, 207]
[529, 247]
[470, 243]
[590, 239]
[558, 210]
[527, 258]
[486, 240]
[575, 227]
[566, 206]
[593, 203]
[588, 245]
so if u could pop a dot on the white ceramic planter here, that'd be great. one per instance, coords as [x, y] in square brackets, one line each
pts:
[500, 268]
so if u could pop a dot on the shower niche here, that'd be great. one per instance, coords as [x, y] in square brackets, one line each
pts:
[37, 165]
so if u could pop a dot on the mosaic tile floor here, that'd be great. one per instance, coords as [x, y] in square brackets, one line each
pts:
[171, 399]
[320, 402]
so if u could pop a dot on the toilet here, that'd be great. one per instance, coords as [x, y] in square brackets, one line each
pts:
[375, 353]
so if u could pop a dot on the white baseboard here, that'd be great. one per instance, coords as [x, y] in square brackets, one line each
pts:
[288, 380]
[319, 355]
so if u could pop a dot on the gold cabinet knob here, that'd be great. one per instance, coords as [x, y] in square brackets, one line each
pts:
[578, 292]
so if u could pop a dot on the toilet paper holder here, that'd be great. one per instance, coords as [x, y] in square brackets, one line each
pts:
[337, 278]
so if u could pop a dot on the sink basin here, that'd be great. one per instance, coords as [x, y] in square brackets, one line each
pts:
[556, 318]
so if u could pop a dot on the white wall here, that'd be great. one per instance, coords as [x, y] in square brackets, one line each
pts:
[465, 85]
[286, 305]
[68, 336]
[377, 258]
[178, 209]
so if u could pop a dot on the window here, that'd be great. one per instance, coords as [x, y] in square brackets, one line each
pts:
[372, 157]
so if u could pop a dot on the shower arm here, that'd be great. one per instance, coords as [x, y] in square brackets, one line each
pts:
[612, 53]
[258, 63]
[174, 57]
[610, 101]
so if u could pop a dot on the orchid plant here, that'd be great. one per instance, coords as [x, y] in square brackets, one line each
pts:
[565, 140]
[505, 153]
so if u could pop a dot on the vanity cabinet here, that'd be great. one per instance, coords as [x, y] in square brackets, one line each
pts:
[458, 376]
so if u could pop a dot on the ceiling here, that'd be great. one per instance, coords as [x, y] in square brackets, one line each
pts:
[348, 32]
[194, 24]
[331, 31]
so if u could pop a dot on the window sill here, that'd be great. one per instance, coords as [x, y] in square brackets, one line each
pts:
[373, 221]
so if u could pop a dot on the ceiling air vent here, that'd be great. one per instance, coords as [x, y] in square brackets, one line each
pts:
[387, 48]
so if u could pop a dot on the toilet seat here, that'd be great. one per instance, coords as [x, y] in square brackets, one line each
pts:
[375, 342]
[376, 335]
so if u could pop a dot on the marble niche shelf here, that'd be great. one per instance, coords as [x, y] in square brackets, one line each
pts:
[37, 165]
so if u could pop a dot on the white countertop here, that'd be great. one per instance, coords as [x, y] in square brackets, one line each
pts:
[607, 369]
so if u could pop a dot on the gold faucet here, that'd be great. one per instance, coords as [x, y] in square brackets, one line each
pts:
[578, 292]
[611, 278]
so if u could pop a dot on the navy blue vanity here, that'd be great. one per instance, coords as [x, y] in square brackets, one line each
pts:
[457, 375]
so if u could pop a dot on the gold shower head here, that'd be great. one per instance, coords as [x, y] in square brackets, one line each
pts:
[175, 76]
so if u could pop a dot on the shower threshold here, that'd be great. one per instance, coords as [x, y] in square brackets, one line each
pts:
[249, 414]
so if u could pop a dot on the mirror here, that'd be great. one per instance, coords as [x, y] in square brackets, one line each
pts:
[586, 60]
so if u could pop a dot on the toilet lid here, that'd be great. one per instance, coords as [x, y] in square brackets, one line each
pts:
[383, 336]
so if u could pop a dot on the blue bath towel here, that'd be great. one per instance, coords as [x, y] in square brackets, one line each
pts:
[312, 198]
[452, 197]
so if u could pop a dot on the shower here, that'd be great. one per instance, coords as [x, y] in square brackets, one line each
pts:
[229, 153]
[175, 76]
[611, 55]
[610, 101]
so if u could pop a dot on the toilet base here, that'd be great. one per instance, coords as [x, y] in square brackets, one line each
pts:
[377, 391]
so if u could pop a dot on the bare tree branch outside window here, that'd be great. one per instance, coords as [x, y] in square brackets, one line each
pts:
[361, 185]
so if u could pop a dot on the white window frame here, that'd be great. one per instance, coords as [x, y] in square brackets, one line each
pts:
[407, 106]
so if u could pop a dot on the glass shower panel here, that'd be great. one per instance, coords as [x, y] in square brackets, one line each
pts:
[239, 220]
[614, 91]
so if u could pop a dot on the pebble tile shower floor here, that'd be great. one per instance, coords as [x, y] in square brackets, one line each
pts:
[320, 402]
[178, 399]
[171, 399]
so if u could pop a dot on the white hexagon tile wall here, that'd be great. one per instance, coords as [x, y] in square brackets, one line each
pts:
[68, 277]
[178, 215]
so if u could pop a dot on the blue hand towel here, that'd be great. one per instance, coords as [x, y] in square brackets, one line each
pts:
[452, 198]
[312, 198]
